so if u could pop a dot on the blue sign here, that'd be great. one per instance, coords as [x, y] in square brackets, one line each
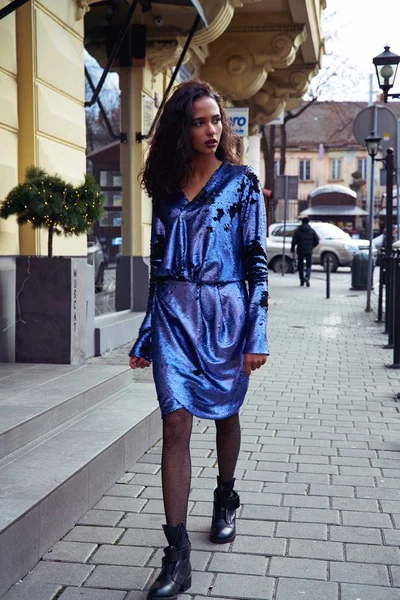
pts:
[240, 120]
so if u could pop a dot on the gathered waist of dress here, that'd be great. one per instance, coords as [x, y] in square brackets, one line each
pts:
[196, 281]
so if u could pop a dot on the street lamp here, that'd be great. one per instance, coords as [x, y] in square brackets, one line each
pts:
[386, 65]
[372, 142]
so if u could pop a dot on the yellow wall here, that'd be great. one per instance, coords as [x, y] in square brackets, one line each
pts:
[321, 168]
[51, 91]
[8, 128]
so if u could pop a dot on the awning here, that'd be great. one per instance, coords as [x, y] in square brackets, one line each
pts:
[333, 188]
[333, 211]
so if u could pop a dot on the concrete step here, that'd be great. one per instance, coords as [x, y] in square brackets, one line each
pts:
[113, 330]
[34, 399]
[50, 483]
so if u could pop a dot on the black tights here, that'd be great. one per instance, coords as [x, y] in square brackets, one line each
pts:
[228, 446]
[176, 464]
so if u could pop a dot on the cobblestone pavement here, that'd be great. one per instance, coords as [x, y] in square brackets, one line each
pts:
[318, 476]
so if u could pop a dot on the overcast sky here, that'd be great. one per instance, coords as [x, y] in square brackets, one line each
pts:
[362, 28]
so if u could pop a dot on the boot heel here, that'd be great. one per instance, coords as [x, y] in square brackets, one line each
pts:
[186, 584]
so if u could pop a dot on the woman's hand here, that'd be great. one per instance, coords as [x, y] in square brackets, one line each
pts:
[136, 362]
[251, 362]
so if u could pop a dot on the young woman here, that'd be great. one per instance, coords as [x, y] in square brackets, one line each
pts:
[204, 330]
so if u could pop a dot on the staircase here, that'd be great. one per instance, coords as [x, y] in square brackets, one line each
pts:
[67, 433]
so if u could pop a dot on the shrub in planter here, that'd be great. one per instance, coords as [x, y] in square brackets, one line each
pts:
[48, 202]
[51, 293]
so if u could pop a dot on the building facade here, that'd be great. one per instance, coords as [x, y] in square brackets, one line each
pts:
[321, 150]
[259, 54]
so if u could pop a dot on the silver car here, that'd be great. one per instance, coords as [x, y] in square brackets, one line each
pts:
[333, 243]
[95, 257]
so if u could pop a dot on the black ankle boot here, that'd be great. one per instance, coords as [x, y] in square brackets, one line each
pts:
[226, 501]
[176, 570]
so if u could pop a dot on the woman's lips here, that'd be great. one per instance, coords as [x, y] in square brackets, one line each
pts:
[211, 143]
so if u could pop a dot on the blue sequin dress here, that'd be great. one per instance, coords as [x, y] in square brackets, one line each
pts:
[201, 316]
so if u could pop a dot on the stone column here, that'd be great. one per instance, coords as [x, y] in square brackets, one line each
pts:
[132, 268]
[50, 77]
[253, 155]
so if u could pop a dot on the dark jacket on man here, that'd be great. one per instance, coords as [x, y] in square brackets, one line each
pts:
[305, 238]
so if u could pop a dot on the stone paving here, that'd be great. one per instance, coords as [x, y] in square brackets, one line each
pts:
[318, 475]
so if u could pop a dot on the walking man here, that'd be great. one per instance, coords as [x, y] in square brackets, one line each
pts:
[305, 239]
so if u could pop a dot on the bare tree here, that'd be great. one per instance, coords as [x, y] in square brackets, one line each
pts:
[331, 82]
[97, 132]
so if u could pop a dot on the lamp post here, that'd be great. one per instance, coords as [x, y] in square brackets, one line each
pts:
[372, 142]
[386, 65]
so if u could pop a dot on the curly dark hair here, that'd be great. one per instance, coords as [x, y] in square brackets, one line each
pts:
[168, 164]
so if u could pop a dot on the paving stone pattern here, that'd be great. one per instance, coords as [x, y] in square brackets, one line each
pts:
[318, 476]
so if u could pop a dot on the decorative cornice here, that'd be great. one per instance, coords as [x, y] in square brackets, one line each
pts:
[218, 20]
[239, 63]
[285, 48]
[294, 81]
[164, 55]
[266, 106]
[282, 28]
[199, 56]
[283, 87]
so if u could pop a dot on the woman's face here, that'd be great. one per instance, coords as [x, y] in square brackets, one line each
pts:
[206, 130]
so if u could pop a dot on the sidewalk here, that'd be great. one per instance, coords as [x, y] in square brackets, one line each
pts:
[318, 475]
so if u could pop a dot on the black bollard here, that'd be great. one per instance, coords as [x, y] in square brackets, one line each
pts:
[389, 300]
[381, 284]
[328, 277]
[396, 314]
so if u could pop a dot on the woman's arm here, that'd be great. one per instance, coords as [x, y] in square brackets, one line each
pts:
[254, 236]
[142, 346]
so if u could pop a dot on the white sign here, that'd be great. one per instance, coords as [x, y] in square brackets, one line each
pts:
[278, 120]
[148, 112]
[240, 120]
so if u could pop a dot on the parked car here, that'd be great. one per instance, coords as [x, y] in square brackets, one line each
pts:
[379, 241]
[276, 261]
[95, 257]
[334, 243]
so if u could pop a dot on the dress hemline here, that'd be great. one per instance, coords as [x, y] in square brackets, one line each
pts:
[194, 413]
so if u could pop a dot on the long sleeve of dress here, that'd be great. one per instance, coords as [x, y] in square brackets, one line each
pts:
[142, 346]
[254, 236]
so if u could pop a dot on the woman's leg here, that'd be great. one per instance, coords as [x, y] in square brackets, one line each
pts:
[226, 500]
[176, 465]
[176, 571]
[228, 446]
